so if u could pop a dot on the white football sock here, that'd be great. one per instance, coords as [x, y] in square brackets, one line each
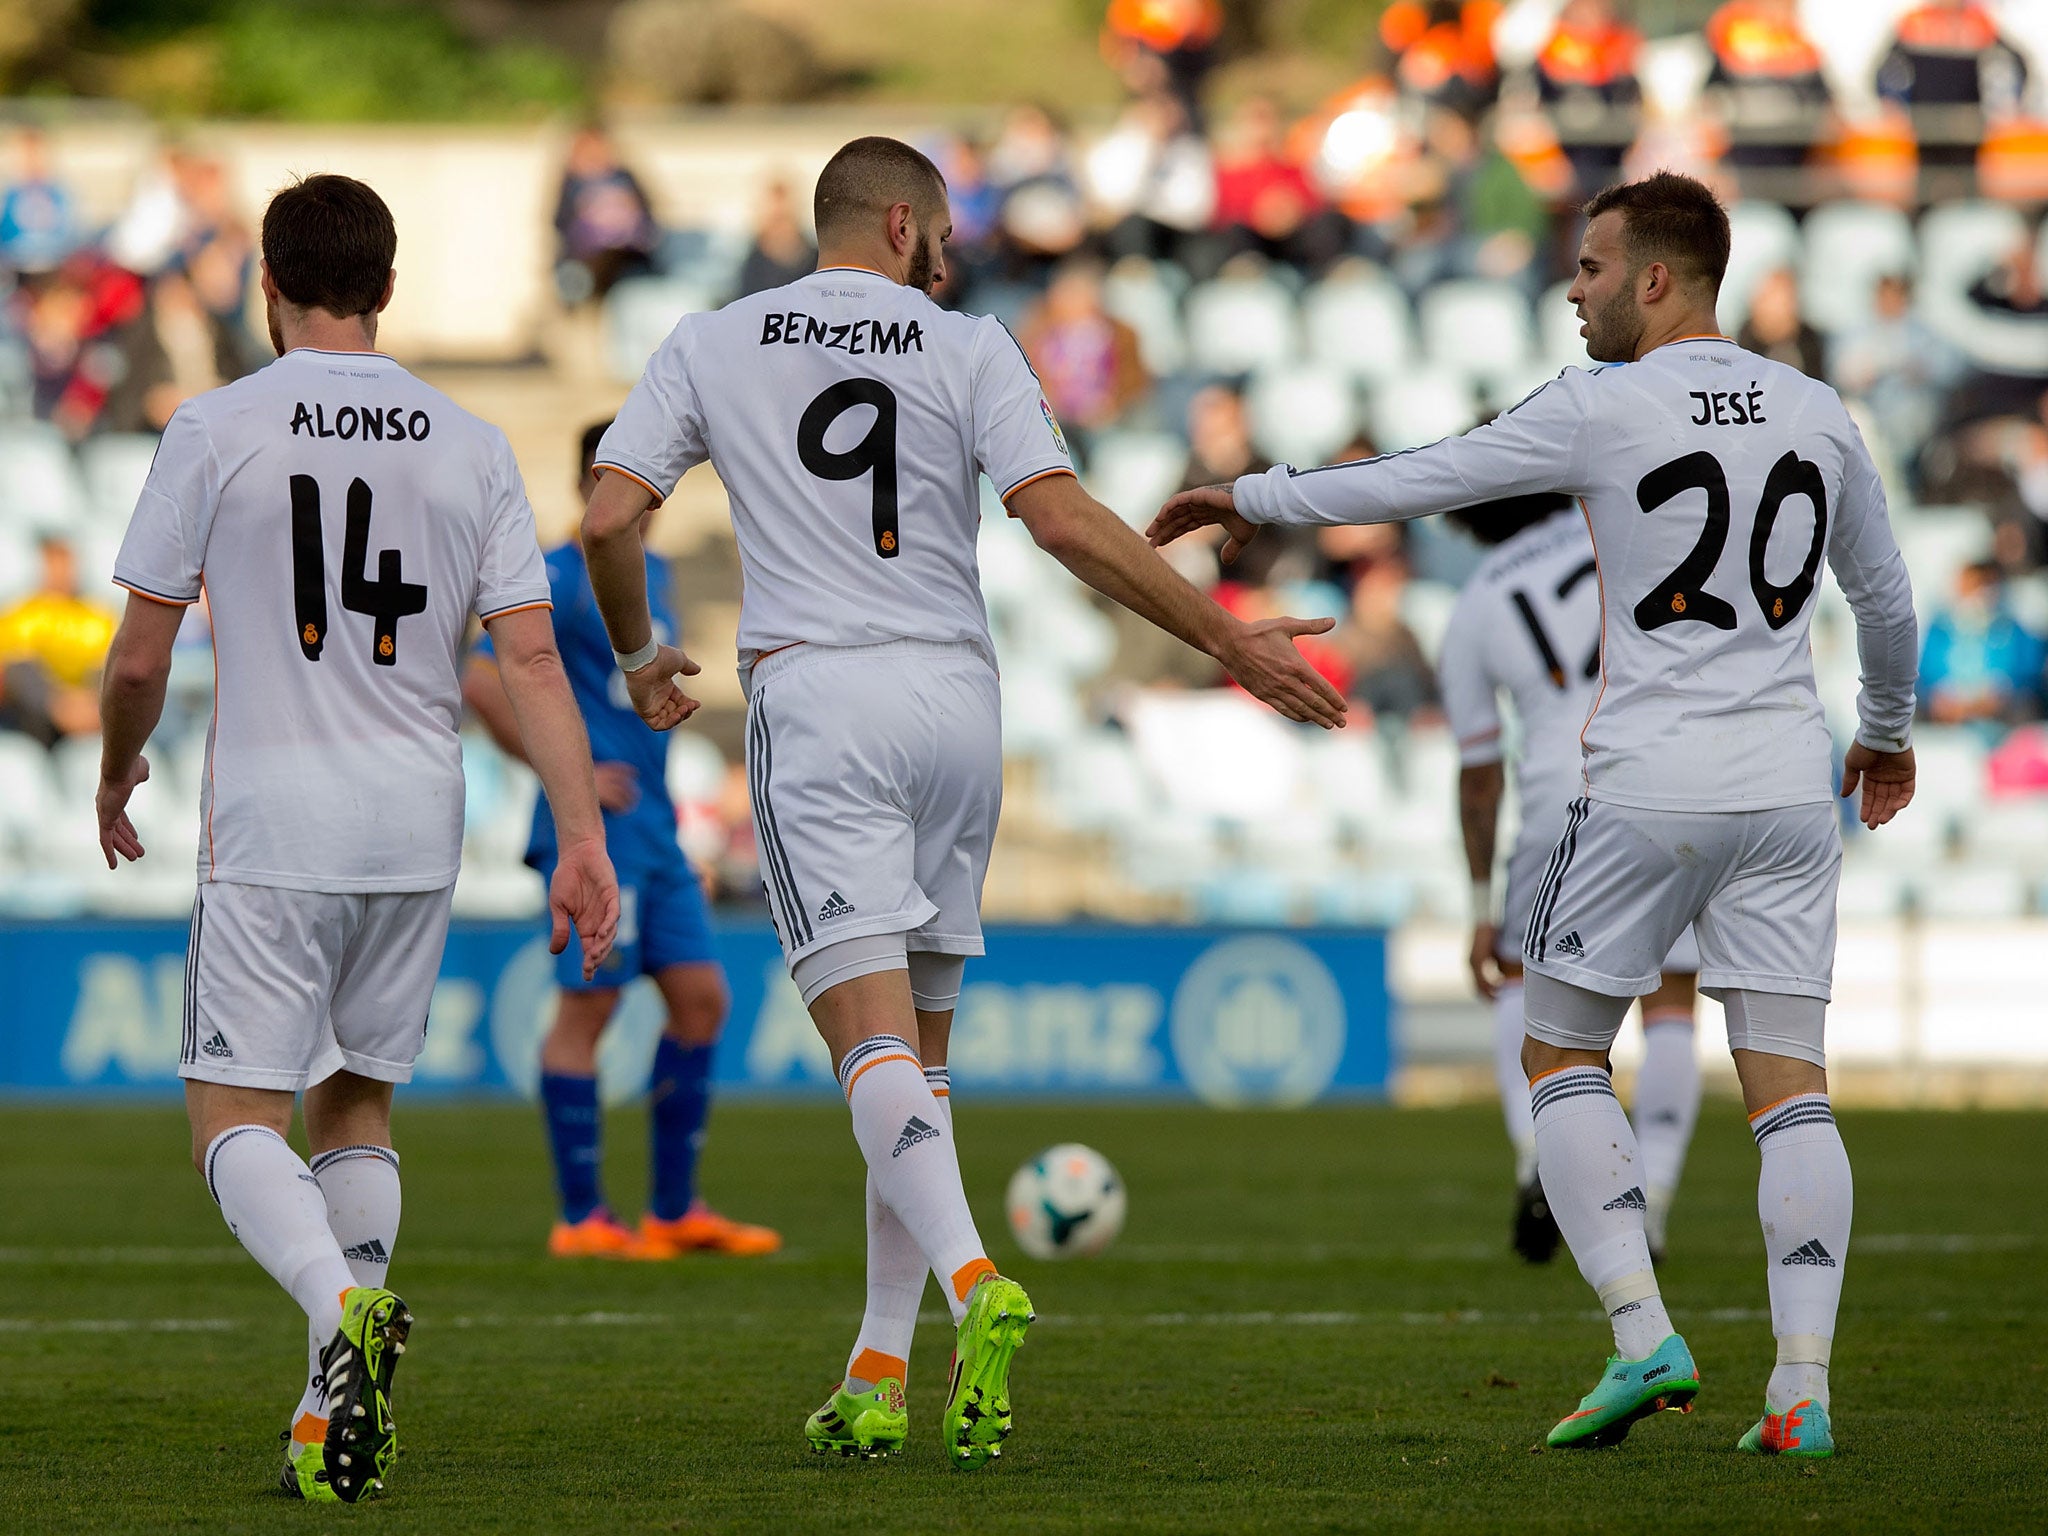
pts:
[361, 1187]
[1592, 1177]
[896, 1276]
[908, 1143]
[1666, 1110]
[273, 1204]
[1804, 1198]
[1508, 1034]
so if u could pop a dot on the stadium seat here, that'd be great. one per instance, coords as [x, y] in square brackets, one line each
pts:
[1479, 330]
[1132, 472]
[28, 789]
[696, 768]
[638, 315]
[1040, 712]
[1428, 404]
[1354, 899]
[39, 482]
[1136, 293]
[1217, 754]
[1849, 245]
[1360, 324]
[1762, 238]
[1426, 610]
[1972, 892]
[115, 467]
[1249, 896]
[1239, 325]
[1959, 244]
[1347, 772]
[1557, 322]
[1096, 784]
[1302, 414]
[18, 564]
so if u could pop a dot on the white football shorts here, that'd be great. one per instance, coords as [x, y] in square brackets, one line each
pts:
[1525, 875]
[1757, 886]
[284, 987]
[877, 776]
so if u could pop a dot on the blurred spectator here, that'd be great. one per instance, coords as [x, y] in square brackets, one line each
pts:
[1950, 53]
[1151, 184]
[1767, 73]
[1360, 146]
[1086, 358]
[1390, 674]
[52, 645]
[1163, 44]
[2012, 299]
[1040, 223]
[1265, 201]
[37, 228]
[603, 219]
[80, 325]
[1897, 365]
[780, 253]
[1443, 51]
[1978, 663]
[1586, 77]
[1776, 329]
[153, 224]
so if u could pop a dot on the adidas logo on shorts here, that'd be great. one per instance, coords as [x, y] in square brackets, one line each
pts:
[369, 1251]
[218, 1046]
[836, 905]
[1810, 1252]
[1628, 1200]
[915, 1130]
[1571, 944]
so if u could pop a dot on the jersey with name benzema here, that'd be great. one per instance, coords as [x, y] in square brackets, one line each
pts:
[848, 416]
[344, 521]
[1714, 483]
[1527, 624]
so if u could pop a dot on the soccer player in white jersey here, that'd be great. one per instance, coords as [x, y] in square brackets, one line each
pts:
[849, 417]
[1527, 627]
[343, 521]
[1713, 482]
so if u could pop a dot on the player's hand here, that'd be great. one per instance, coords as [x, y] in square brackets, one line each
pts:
[584, 894]
[618, 786]
[1263, 659]
[1200, 508]
[1485, 965]
[1887, 780]
[117, 832]
[657, 697]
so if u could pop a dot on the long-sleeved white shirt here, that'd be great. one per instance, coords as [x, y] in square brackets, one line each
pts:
[1713, 481]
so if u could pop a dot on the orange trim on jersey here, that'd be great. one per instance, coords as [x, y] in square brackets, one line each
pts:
[786, 646]
[873, 1365]
[1703, 336]
[614, 469]
[1600, 577]
[168, 602]
[1043, 474]
[876, 1061]
[965, 1276]
[486, 618]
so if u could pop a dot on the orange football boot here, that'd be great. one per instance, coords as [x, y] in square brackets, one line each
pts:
[705, 1230]
[600, 1235]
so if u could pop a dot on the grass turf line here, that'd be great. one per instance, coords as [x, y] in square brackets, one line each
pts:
[1312, 1323]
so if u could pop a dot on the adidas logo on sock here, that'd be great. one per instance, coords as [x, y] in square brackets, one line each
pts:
[1571, 944]
[370, 1251]
[217, 1046]
[836, 905]
[1627, 1200]
[914, 1131]
[1810, 1252]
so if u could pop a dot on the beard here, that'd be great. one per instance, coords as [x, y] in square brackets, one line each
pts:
[919, 273]
[276, 333]
[1614, 330]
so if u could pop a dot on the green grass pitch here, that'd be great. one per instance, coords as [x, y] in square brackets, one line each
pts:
[1311, 1324]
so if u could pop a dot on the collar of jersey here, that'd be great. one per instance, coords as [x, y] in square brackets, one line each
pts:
[1681, 340]
[870, 271]
[331, 352]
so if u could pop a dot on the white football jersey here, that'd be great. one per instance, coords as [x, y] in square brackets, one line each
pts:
[1527, 624]
[848, 416]
[343, 521]
[1713, 482]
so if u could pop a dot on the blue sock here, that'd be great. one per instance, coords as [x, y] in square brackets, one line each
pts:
[570, 1104]
[679, 1098]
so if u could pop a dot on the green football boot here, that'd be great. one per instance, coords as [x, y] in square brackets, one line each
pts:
[305, 1472]
[978, 1406]
[1801, 1430]
[362, 1437]
[865, 1424]
[1630, 1390]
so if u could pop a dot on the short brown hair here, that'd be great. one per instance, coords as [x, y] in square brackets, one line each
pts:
[1673, 219]
[329, 243]
[871, 175]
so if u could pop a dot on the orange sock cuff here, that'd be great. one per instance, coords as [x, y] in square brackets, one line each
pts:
[873, 1365]
[965, 1276]
[309, 1429]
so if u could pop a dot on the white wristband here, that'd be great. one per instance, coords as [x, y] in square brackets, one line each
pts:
[634, 661]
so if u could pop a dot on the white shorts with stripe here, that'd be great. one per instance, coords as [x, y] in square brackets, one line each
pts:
[1526, 867]
[877, 776]
[284, 987]
[1622, 884]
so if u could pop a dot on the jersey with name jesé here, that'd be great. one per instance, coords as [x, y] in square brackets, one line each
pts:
[1527, 624]
[1714, 483]
[848, 416]
[344, 521]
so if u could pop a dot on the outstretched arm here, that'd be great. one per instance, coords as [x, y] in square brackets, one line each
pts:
[615, 549]
[1100, 548]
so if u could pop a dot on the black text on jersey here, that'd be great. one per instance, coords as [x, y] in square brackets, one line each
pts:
[858, 338]
[1722, 408]
[370, 423]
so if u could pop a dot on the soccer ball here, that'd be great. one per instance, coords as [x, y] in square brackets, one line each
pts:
[1065, 1203]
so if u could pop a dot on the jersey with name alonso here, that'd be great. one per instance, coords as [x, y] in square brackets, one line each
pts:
[344, 521]
[1714, 482]
[848, 416]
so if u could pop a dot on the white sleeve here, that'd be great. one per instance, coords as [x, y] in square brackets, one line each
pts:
[164, 550]
[1866, 561]
[1017, 439]
[1541, 444]
[511, 575]
[1471, 702]
[658, 435]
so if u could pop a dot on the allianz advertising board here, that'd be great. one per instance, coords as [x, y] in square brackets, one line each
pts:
[1231, 1017]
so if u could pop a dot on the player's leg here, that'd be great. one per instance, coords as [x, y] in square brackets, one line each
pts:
[1534, 1230]
[1667, 1101]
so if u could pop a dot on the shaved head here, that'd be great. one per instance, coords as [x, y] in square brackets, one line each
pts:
[867, 178]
